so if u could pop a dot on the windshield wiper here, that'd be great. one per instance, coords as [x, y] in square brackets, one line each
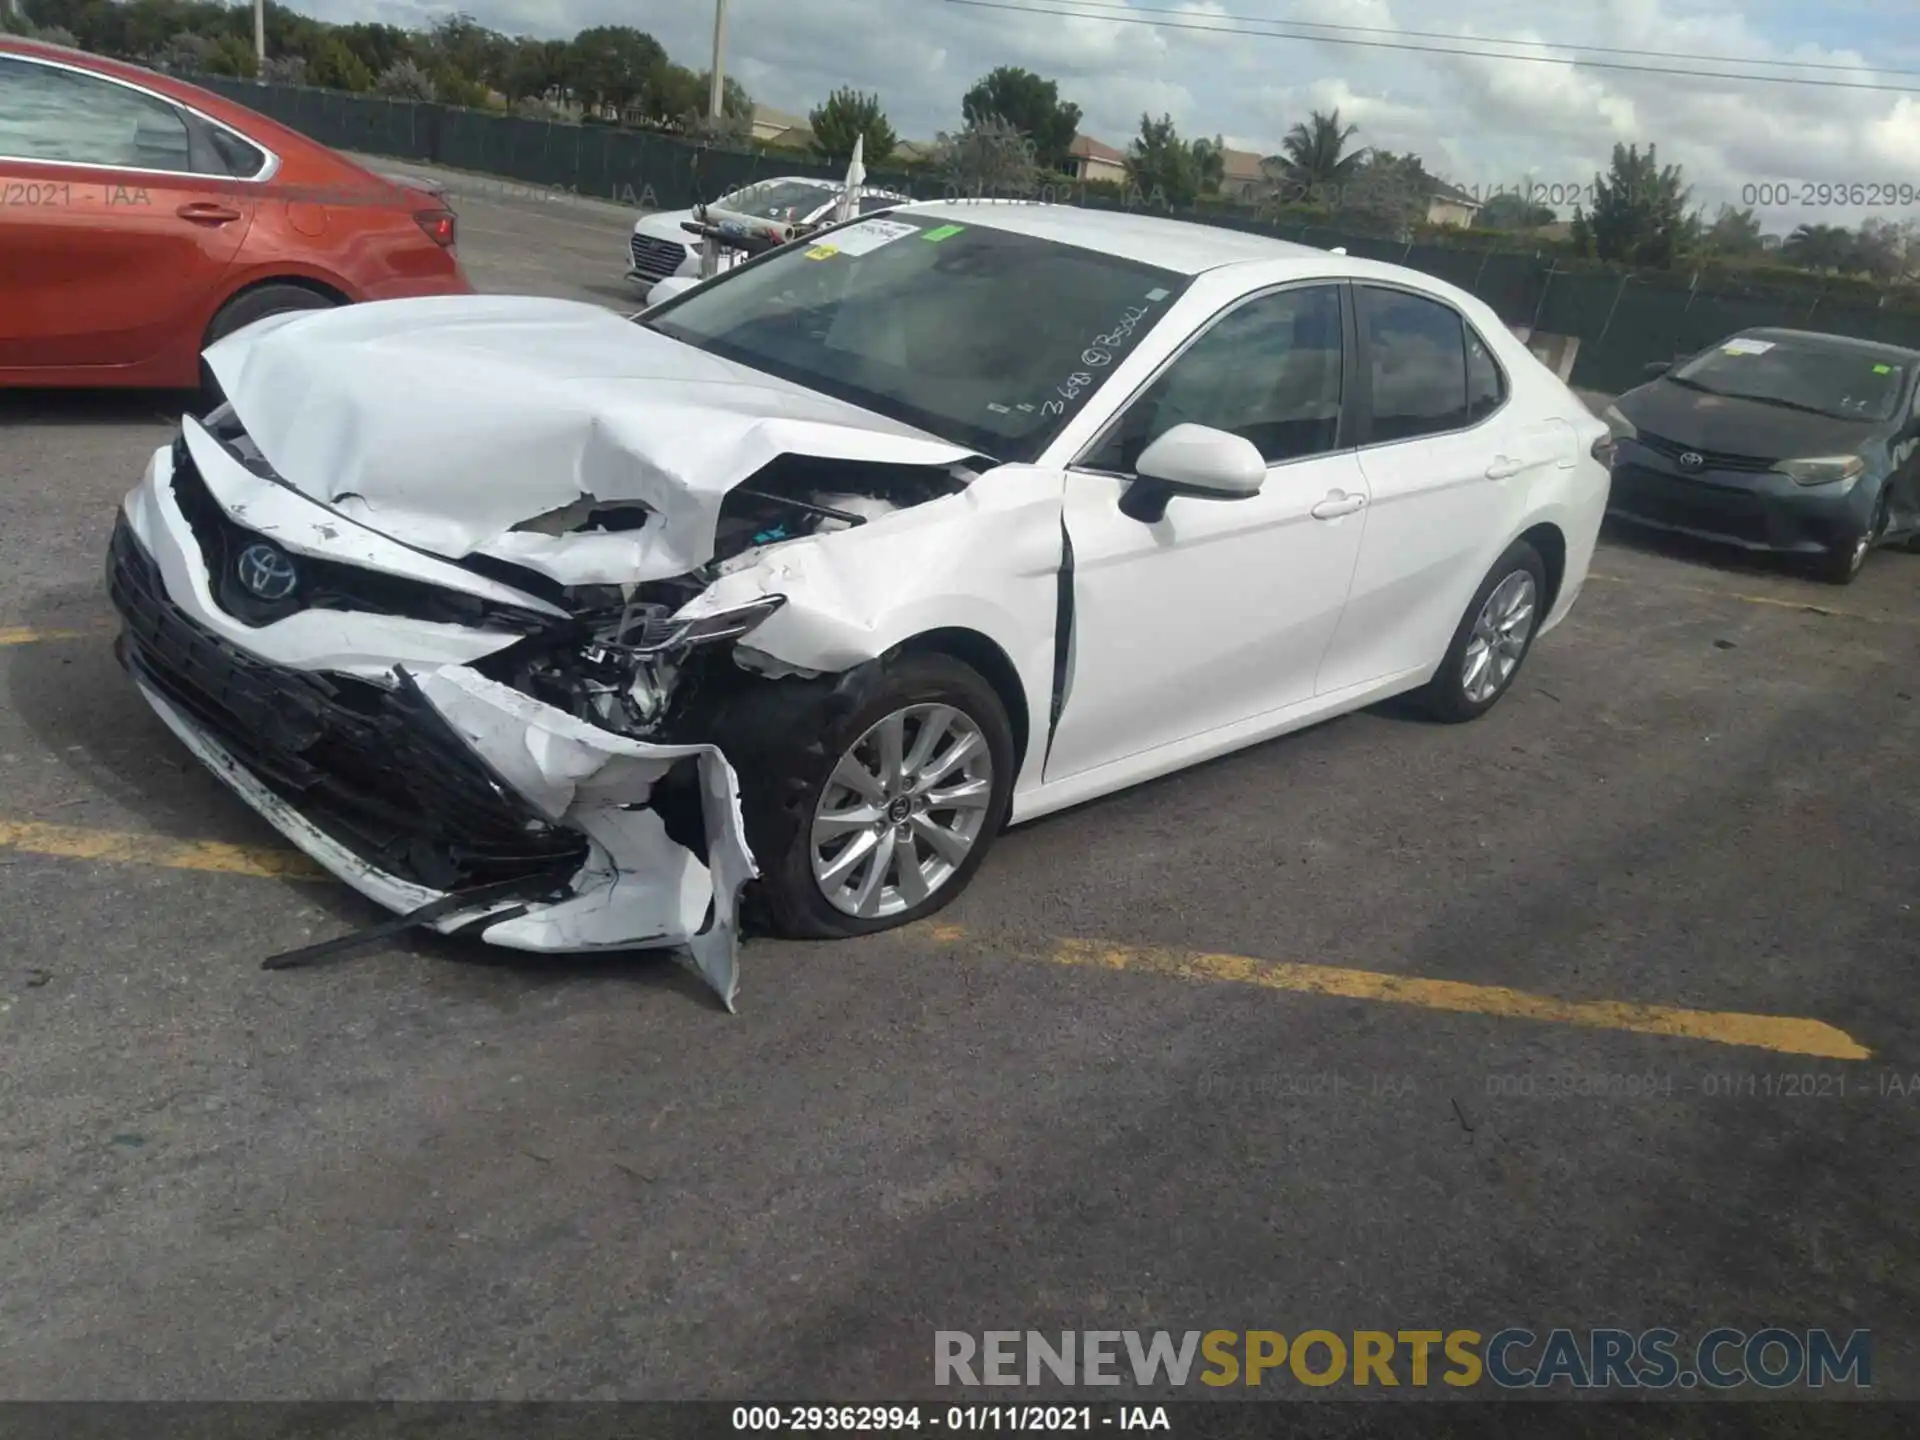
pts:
[1694, 385]
[1793, 405]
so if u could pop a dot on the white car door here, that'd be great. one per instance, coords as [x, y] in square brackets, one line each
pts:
[1221, 609]
[1448, 463]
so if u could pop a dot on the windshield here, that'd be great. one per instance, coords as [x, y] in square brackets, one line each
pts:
[784, 200]
[983, 337]
[1840, 383]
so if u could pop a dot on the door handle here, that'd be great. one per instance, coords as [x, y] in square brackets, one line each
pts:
[205, 212]
[1504, 467]
[1337, 504]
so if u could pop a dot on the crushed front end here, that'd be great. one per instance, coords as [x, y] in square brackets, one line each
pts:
[495, 730]
[425, 729]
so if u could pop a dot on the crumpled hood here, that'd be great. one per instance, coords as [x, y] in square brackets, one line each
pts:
[444, 422]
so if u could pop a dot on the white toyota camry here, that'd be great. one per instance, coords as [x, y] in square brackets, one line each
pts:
[566, 630]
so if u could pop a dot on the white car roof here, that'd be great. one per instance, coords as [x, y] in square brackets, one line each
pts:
[1182, 246]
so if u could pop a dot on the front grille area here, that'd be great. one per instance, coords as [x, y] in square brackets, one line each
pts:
[1714, 459]
[324, 584]
[377, 769]
[1657, 499]
[656, 259]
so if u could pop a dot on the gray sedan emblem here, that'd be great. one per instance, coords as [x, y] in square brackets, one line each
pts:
[267, 572]
[1692, 460]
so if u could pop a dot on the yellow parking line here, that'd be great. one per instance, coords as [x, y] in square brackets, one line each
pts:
[122, 848]
[1786, 1034]
[1789, 1035]
[31, 635]
[1782, 602]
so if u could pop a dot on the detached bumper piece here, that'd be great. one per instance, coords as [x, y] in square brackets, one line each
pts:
[378, 770]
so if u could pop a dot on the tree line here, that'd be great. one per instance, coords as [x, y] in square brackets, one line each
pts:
[1016, 137]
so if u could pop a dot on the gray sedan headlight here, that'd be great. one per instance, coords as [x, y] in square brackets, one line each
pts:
[1822, 469]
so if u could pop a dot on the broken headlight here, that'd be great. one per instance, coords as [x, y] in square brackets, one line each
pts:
[622, 677]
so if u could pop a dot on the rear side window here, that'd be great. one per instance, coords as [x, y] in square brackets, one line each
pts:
[239, 158]
[1486, 385]
[58, 115]
[1418, 364]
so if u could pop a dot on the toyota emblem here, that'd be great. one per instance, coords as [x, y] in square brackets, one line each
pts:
[266, 572]
[1692, 460]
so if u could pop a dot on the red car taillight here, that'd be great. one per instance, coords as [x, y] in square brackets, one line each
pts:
[438, 224]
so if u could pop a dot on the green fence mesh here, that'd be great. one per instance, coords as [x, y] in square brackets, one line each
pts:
[1622, 321]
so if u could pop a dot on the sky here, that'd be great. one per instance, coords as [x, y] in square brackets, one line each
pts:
[1486, 124]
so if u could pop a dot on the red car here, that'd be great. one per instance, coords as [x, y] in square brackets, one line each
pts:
[142, 218]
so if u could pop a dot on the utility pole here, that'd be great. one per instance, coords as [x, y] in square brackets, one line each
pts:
[260, 37]
[717, 94]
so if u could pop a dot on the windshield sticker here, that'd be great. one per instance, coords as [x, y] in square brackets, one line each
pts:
[822, 252]
[1883, 369]
[1747, 347]
[943, 232]
[868, 235]
[1156, 295]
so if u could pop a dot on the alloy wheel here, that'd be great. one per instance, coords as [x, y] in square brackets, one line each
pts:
[901, 811]
[1499, 637]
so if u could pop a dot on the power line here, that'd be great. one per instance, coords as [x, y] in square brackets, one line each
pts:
[1024, 9]
[1489, 40]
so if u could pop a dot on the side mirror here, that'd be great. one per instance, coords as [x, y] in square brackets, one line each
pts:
[1193, 460]
[1657, 368]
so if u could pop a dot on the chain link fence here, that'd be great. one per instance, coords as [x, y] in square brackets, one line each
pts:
[1622, 321]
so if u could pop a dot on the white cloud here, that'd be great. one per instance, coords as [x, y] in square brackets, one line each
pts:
[1483, 121]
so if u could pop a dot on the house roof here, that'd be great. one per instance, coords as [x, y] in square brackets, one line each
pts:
[1086, 147]
[767, 115]
[1241, 165]
[1452, 194]
[794, 137]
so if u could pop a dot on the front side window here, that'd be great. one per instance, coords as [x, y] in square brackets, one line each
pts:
[1268, 370]
[1417, 364]
[1826, 380]
[59, 115]
[984, 337]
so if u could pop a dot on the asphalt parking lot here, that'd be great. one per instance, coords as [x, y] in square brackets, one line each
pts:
[1305, 1038]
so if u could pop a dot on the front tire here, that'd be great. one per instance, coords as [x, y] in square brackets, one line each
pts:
[882, 813]
[1493, 641]
[1843, 567]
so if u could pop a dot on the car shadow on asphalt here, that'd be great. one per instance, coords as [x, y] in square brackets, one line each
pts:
[1702, 554]
[92, 407]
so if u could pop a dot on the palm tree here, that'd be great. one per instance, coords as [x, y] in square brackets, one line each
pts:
[1314, 156]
